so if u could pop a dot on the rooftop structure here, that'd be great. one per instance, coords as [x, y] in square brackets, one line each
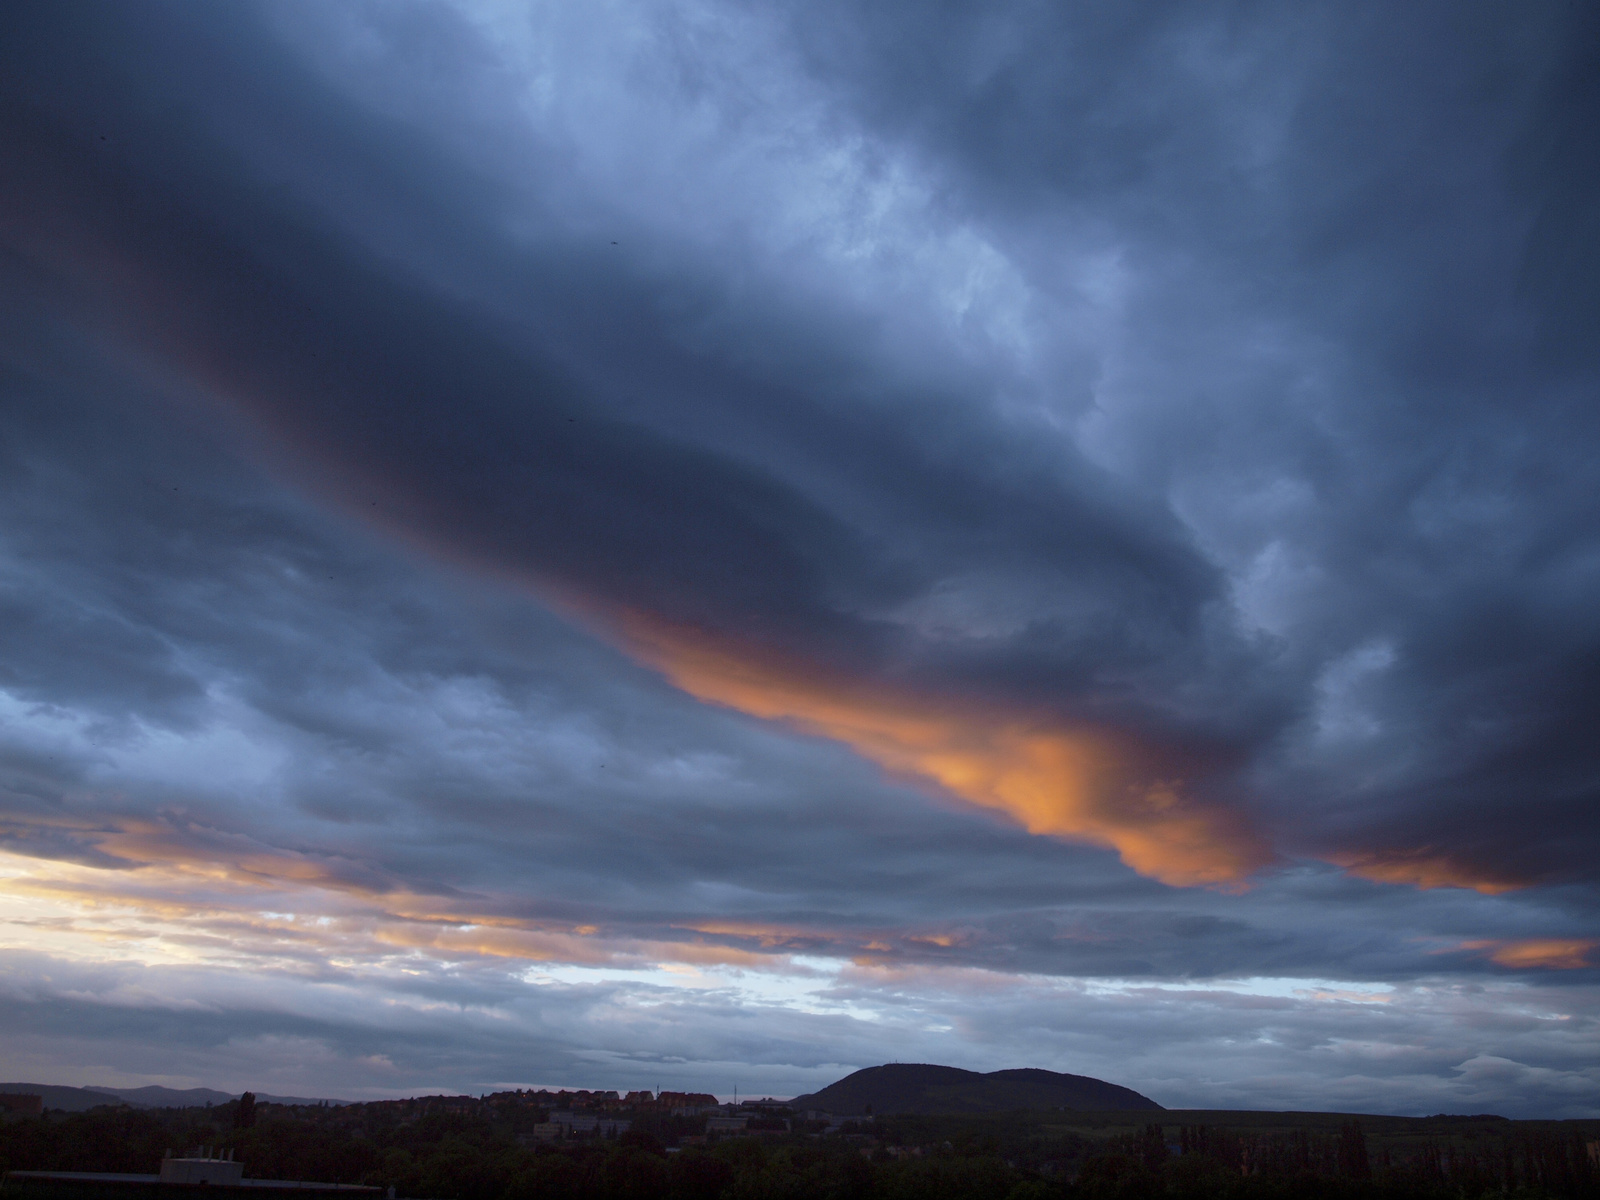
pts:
[201, 1167]
[117, 1179]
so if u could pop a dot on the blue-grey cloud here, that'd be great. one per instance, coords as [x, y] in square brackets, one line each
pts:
[484, 490]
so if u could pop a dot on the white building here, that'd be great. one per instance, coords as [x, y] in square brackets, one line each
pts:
[219, 1171]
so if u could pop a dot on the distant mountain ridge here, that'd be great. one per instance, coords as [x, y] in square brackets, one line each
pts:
[927, 1088]
[82, 1099]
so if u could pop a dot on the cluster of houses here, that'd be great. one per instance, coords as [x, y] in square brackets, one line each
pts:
[560, 1115]
[15, 1104]
[673, 1104]
[608, 1114]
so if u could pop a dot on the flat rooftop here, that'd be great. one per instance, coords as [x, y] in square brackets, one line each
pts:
[155, 1181]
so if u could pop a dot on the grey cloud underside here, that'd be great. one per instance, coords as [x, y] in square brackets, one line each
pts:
[1314, 514]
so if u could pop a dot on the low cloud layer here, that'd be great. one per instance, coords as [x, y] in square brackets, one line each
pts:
[717, 540]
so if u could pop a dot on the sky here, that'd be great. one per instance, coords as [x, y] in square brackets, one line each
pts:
[706, 545]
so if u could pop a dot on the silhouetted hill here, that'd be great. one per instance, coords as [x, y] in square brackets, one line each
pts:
[925, 1088]
[152, 1096]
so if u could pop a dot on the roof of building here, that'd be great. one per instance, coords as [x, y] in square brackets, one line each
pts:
[114, 1177]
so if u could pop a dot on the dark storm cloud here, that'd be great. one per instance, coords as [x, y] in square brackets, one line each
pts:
[550, 458]
[1364, 251]
[415, 411]
[396, 733]
[467, 441]
[347, 726]
[1272, 469]
[640, 442]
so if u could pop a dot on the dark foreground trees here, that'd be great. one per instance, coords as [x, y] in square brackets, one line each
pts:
[450, 1154]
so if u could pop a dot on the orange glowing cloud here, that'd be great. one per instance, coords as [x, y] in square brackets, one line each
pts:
[1078, 784]
[1558, 954]
[1426, 868]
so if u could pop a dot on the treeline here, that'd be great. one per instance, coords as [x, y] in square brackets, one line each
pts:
[1211, 1161]
[445, 1155]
